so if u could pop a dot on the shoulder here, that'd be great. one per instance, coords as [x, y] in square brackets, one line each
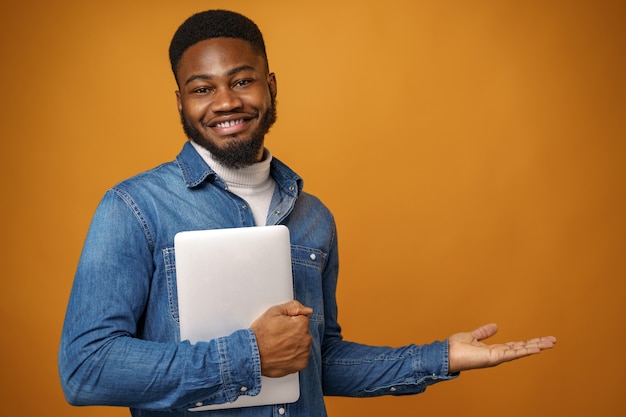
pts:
[158, 178]
[312, 202]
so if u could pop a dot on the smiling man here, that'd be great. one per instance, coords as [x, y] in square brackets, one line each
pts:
[123, 347]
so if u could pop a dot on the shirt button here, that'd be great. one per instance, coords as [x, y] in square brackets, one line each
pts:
[243, 389]
[312, 256]
[281, 411]
[245, 207]
[392, 389]
[199, 404]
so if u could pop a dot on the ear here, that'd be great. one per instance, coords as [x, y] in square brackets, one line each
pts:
[271, 81]
[179, 102]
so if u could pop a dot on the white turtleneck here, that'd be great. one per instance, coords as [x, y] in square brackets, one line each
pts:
[253, 183]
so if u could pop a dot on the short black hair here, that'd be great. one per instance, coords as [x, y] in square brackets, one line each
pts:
[214, 24]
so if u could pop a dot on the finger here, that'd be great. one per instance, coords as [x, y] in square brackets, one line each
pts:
[518, 353]
[530, 347]
[540, 342]
[547, 342]
[485, 331]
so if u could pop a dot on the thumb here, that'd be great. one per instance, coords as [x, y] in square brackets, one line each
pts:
[294, 308]
[485, 331]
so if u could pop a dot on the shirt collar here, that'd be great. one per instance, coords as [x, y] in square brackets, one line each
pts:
[195, 171]
[246, 177]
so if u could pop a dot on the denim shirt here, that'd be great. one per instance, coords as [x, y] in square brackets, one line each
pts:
[121, 344]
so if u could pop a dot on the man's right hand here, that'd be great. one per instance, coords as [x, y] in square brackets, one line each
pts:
[283, 338]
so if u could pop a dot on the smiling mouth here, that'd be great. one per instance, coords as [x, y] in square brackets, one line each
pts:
[229, 123]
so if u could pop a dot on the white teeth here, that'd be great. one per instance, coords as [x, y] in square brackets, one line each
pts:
[229, 123]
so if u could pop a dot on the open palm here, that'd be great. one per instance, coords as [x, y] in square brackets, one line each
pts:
[467, 351]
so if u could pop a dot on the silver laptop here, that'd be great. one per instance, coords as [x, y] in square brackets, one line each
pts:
[226, 279]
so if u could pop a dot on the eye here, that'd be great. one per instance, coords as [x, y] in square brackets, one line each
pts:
[242, 83]
[202, 90]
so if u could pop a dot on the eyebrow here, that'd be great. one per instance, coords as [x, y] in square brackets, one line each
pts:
[228, 73]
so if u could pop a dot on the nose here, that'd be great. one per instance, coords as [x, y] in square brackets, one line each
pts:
[225, 99]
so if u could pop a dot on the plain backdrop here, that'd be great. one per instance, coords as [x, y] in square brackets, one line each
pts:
[473, 153]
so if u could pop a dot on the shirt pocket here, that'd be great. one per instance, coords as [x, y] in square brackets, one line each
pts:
[308, 264]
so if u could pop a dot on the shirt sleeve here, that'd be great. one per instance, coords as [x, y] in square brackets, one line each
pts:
[352, 369]
[102, 361]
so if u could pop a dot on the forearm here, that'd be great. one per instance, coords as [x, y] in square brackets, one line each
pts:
[352, 369]
[126, 371]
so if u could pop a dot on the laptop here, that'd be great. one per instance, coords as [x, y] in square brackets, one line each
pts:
[227, 278]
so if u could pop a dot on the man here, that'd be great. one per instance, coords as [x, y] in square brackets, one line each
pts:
[120, 343]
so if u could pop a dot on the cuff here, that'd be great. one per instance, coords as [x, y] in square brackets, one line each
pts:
[231, 369]
[240, 364]
[432, 363]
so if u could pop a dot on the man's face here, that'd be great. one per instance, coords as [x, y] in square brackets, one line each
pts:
[226, 99]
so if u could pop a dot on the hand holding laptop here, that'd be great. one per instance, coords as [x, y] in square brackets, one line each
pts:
[283, 338]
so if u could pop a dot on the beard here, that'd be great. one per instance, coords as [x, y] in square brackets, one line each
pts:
[237, 153]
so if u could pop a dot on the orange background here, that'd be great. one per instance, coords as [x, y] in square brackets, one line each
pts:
[472, 151]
